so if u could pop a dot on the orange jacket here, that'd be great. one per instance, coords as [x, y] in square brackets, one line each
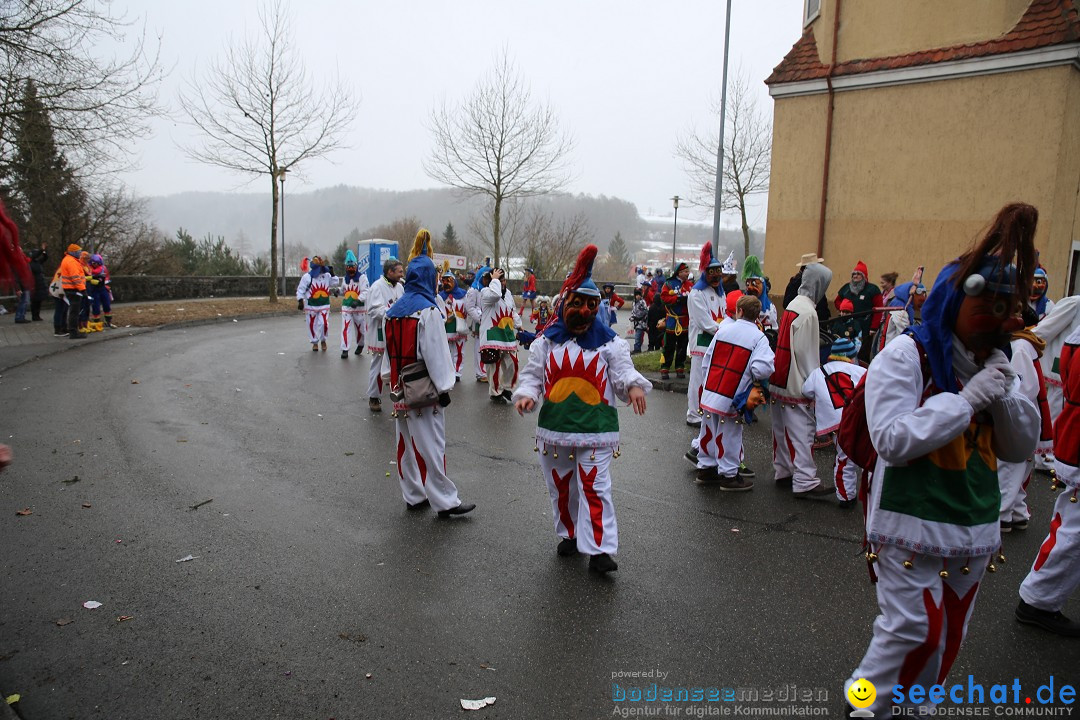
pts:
[72, 276]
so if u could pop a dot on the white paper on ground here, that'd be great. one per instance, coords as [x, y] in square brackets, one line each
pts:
[476, 704]
[187, 558]
[91, 604]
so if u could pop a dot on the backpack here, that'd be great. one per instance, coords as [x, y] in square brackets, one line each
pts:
[853, 436]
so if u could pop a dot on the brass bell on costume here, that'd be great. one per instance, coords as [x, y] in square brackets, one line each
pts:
[943, 574]
[965, 570]
[571, 456]
[1001, 558]
[991, 567]
[616, 454]
[908, 564]
[556, 454]
[871, 557]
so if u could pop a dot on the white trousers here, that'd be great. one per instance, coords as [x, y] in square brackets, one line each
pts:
[350, 320]
[846, 474]
[1055, 574]
[478, 366]
[374, 385]
[502, 375]
[421, 459]
[923, 620]
[793, 437]
[1055, 401]
[318, 323]
[579, 483]
[720, 444]
[693, 391]
[457, 353]
[1012, 482]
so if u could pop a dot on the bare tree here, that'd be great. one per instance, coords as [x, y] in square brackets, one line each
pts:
[514, 218]
[97, 104]
[499, 143]
[747, 156]
[551, 246]
[262, 115]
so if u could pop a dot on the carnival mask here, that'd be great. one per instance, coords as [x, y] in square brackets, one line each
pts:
[713, 276]
[1038, 288]
[987, 321]
[579, 311]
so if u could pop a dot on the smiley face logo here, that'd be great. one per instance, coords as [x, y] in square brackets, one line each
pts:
[861, 693]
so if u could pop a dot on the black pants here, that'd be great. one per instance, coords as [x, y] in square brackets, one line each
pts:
[74, 299]
[35, 307]
[675, 350]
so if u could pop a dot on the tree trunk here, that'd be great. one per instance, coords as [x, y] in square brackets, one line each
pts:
[745, 227]
[496, 225]
[273, 241]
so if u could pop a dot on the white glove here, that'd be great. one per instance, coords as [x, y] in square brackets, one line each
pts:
[984, 388]
[998, 361]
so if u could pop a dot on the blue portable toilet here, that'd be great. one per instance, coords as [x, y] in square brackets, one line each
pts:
[371, 254]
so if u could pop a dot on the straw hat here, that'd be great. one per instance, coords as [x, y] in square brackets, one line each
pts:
[809, 259]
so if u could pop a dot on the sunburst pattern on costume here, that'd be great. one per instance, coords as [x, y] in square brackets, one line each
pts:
[587, 382]
[504, 319]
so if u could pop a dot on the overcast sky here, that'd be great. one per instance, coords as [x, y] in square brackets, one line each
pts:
[625, 77]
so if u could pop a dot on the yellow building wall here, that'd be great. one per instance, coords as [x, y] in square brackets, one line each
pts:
[919, 170]
[874, 29]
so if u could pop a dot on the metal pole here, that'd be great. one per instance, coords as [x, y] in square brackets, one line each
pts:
[720, 149]
[674, 231]
[281, 178]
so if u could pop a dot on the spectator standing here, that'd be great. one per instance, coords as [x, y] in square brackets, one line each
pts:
[41, 285]
[528, 291]
[639, 319]
[864, 296]
[73, 280]
[656, 322]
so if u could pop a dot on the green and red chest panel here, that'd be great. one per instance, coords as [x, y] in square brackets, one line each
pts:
[319, 292]
[498, 328]
[350, 295]
[579, 403]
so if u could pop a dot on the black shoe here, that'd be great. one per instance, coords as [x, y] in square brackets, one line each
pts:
[783, 482]
[77, 336]
[1019, 524]
[1006, 526]
[418, 506]
[314, 347]
[509, 395]
[734, 483]
[821, 492]
[359, 349]
[60, 333]
[498, 399]
[847, 504]
[691, 455]
[706, 476]
[20, 321]
[461, 509]
[344, 354]
[567, 547]
[374, 404]
[694, 424]
[1053, 622]
[457, 380]
[746, 472]
[602, 564]
[37, 319]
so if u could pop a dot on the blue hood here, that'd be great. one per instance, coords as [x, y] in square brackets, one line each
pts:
[419, 288]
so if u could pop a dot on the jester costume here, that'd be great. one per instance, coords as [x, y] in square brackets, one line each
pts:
[457, 333]
[97, 286]
[939, 419]
[798, 355]
[737, 357]
[675, 295]
[1039, 302]
[1055, 573]
[354, 290]
[579, 367]
[704, 306]
[757, 284]
[474, 313]
[830, 388]
[499, 322]
[415, 333]
[313, 296]
[381, 297]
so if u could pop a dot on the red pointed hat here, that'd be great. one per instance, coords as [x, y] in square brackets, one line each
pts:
[860, 267]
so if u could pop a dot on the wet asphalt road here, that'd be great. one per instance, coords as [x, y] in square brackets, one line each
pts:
[310, 575]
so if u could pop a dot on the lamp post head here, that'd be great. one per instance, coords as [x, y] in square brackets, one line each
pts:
[281, 174]
[675, 202]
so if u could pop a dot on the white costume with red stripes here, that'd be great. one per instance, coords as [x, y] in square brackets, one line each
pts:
[830, 388]
[738, 355]
[793, 421]
[473, 314]
[354, 292]
[499, 322]
[456, 330]
[1054, 328]
[933, 503]
[381, 296]
[1055, 574]
[315, 292]
[706, 308]
[578, 430]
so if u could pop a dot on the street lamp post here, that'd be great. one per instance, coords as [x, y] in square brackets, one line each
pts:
[720, 147]
[281, 179]
[674, 231]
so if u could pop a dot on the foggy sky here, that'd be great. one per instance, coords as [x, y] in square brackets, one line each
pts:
[625, 77]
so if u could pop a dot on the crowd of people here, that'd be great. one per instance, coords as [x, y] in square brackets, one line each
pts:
[938, 402]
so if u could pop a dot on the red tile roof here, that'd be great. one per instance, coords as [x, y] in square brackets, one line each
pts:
[1044, 23]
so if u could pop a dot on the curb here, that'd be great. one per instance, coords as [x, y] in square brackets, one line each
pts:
[131, 332]
[674, 385]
